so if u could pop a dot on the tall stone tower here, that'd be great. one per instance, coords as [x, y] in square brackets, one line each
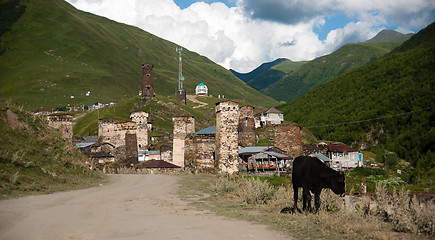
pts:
[227, 137]
[147, 81]
[288, 138]
[141, 119]
[183, 126]
[247, 136]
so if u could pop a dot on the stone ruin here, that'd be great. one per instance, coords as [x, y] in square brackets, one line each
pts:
[127, 136]
[288, 138]
[63, 122]
[247, 136]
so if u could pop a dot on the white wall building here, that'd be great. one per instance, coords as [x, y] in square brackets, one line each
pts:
[271, 116]
[201, 89]
[343, 156]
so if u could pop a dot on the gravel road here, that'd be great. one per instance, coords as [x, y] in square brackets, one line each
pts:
[127, 207]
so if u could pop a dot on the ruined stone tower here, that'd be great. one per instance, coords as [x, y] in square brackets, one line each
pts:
[183, 125]
[141, 120]
[147, 81]
[247, 136]
[288, 138]
[63, 122]
[227, 121]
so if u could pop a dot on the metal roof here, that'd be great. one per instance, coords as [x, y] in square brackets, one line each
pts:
[85, 144]
[209, 130]
[253, 150]
[277, 155]
[321, 157]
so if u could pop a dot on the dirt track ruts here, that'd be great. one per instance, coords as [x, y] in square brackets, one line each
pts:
[127, 207]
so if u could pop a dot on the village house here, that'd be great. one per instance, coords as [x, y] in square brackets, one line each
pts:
[271, 116]
[201, 89]
[344, 157]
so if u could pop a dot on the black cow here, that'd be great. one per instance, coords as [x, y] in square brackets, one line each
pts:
[313, 175]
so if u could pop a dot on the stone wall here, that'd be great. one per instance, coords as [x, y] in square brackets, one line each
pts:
[227, 141]
[288, 138]
[247, 137]
[147, 80]
[183, 125]
[141, 120]
[200, 153]
[63, 122]
[131, 153]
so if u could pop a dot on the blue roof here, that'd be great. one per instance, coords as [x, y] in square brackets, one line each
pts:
[278, 155]
[154, 152]
[253, 150]
[201, 84]
[322, 157]
[209, 130]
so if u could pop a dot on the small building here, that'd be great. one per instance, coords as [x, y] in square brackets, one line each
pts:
[343, 156]
[271, 116]
[201, 89]
[265, 158]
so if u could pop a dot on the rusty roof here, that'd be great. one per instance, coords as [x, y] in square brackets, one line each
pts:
[340, 147]
[158, 164]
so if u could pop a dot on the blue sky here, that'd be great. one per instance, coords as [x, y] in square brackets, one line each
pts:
[242, 34]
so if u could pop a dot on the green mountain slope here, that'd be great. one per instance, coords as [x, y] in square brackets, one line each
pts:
[273, 74]
[34, 158]
[314, 73]
[390, 36]
[388, 103]
[55, 51]
[246, 77]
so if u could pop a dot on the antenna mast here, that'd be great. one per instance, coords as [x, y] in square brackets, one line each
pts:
[180, 72]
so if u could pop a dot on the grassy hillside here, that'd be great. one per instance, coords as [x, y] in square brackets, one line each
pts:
[54, 51]
[390, 36]
[273, 74]
[34, 158]
[246, 77]
[314, 73]
[161, 110]
[388, 104]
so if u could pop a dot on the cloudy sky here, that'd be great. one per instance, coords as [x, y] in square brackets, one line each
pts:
[242, 34]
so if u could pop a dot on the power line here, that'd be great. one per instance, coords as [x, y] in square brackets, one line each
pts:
[371, 119]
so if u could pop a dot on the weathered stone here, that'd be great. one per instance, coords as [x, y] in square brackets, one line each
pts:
[247, 137]
[200, 153]
[63, 122]
[147, 80]
[183, 125]
[227, 158]
[288, 138]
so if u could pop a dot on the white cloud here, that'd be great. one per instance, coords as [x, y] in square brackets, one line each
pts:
[257, 31]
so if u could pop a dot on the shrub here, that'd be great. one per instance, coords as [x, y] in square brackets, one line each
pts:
[254, 191]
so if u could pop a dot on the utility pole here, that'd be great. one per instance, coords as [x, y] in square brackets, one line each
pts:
[180, 68]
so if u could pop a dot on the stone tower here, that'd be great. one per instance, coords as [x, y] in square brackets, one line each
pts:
[147, 81]
[141, 120]
[63, 122]
[247, 136]
[288, 138]
[183, 126]
[227, 137]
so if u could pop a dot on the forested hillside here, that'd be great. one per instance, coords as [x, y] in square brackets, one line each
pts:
[388, 104]
[320, 70]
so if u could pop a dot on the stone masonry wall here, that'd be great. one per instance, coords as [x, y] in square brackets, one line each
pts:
[288, 138]
[63, 122]
[227, 122]
[183, 125]
[247, 137]
[141, 120]
[199, 153]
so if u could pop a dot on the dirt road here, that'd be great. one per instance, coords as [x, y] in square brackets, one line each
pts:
[127, 207]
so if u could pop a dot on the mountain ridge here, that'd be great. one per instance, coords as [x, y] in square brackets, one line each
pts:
[55, 54]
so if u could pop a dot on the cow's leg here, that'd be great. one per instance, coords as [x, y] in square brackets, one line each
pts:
[317, 200]
[306, 198]
[295, 196]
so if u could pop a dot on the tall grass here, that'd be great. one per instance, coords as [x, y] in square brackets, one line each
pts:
[384, 216]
